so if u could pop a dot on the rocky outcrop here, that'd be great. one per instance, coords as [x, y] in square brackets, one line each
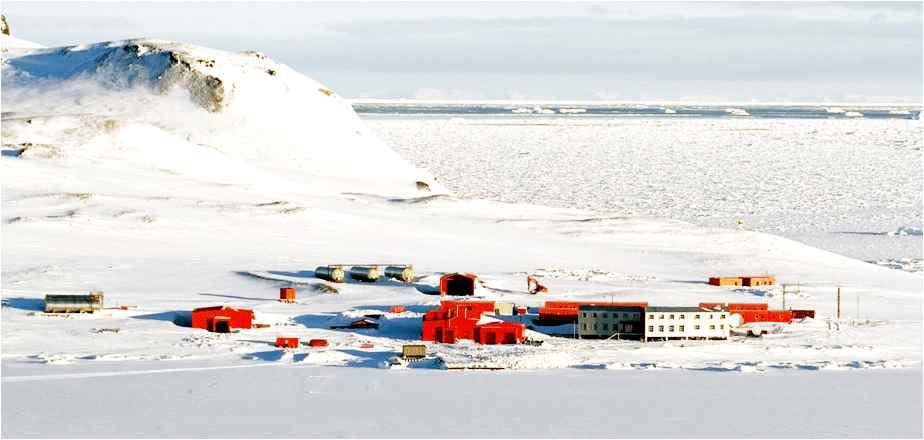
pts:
[4, 26]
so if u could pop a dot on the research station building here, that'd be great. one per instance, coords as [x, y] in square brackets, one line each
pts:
[652, 323]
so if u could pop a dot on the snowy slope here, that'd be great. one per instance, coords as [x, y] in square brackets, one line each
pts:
[204, 111]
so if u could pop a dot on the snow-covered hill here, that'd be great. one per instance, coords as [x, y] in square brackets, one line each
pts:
[196, 111]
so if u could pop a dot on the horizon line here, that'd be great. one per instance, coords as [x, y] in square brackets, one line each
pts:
[592, 102]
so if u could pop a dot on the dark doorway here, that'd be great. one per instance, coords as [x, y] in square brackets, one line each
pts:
[460, 286]
[222, 326]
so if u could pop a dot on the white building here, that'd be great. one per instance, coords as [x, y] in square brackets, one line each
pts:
[685, 323]
[647, 323]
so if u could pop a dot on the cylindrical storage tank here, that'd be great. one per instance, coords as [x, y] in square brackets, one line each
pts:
[402, 273]
[330, 273]
[367, 274]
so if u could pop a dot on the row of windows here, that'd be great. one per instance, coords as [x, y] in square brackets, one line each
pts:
[615, 315]
[605, 327]
[682, 316]
[681, 328]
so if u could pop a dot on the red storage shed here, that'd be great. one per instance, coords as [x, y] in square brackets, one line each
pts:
[499, 333]
[221, 319]
[287, 342]
[318, 343]
[287, 294]
[458, 284]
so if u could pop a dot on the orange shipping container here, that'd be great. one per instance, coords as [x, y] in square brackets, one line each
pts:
[287, 294]
[287, 342]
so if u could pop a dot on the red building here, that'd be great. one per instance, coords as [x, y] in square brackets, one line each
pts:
[221, 319]
[499, 333]
[458, 284]
[752, 312]
[456, 320]
[747, 316]
[318, 343]
[802, 314]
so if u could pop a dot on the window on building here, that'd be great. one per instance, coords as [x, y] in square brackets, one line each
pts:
[670, 329]
[660, 328]
[584, 326]
[651, 328]
[661, 317]
[711, 317]
[711, 327]
[681, 329]
[584, 315]
[594, 315]
[722, 326]
[695, 316]
[606, 315]
[696, 327]
[682, 317]
[722, 316]
[650, 316]
[672, 316]
[595, 326]
[606, 327]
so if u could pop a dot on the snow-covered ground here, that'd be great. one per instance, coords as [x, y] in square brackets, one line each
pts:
[847, 186]
[309, 401]
[142, 176]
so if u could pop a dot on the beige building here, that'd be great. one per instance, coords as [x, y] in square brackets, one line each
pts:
[503, 308]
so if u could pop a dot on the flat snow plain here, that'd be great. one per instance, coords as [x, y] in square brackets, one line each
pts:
[847, 186]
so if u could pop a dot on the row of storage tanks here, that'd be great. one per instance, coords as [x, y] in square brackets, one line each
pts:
[368, 273]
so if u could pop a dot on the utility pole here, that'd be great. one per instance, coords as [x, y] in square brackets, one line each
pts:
[784, 297]
[838, 302]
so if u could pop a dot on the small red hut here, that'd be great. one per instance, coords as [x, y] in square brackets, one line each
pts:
[499, 333]
[458, 284]
[221, 319]
[284, 342]
[287, 294]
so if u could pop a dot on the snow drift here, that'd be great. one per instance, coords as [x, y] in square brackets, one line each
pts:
[243, 110]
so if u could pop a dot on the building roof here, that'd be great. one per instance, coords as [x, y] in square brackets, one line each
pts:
[468, 275]
[676, 309]
[611, 308]
[224, 308]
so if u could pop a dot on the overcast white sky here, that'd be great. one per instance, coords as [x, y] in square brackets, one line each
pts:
[627, 51]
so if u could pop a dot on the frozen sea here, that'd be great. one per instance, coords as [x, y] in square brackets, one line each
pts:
[850, 185]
